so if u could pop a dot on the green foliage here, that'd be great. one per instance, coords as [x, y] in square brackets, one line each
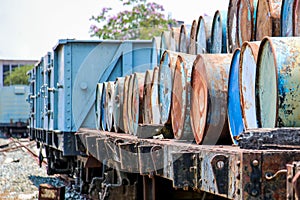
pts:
[18, 76]
[141, 21]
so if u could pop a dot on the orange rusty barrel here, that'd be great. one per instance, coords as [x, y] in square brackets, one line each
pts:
[203, 35]
[147, 113]
[99, 89]
[219, 32]
[183, 39]
[192, 36]
[289, 19]
[209, 98]
[137, 100]
[277, 82]
[247, 75]
[110, 104]
[246, 21]
[232, 21]
[268, 18]
[180, 112]
[118, 104]
[165, 83]
[125, 97]
[129, 105]
[154, 98]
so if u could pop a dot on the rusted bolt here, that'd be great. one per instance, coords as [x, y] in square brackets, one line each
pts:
[220, 164]
[255, 163]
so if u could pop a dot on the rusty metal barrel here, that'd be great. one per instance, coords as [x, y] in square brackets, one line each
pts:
[209, 98]
[125, 97]
[236, 125]
[180, 109]
[103, 107]
[154, 98]
[183, 39]
[129, 105]
[167, 42]
[203, 35]
[219, 32]
[277, 82]
[232, 21]
[98, 97]
[165, 83]
[110, 104]
[155, 52]
[137, 100]
[246, 21]
[192, 40]
[289, 19]
[118, 105]
[249, 53]
[175, 33]
[268, 18]
[147, 113]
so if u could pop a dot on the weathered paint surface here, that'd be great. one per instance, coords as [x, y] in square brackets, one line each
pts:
[129, 105]
[236, 125]
[137, 100]
[125, 105]
[154, 98]
[183, 39]
[165, 83]
[219, 32]
[246, 20]
[209, 106]
[155, 52]
[180, 109]
[268, 18]
[99, 89]
[192, 38]
[203, 35]
[110, 105]
[278, 95]
[103, 107]
[296, 18]
[286, 19]
[118, 105]
[232, 21]
[247, 76]
[147, 110]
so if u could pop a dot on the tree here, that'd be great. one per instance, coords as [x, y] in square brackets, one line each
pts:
[144, 21]
[18, 76]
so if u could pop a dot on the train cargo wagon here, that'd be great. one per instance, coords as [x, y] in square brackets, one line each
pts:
[14, 109]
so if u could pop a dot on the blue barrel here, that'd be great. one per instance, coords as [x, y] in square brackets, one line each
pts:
[183, 39]
[155, 52]
[277, 82]
[219, 32]
[288, 17]
[165, 84]
[236, 125]
[203, 35]
[209, 83]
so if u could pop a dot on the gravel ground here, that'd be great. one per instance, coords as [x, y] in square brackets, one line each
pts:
[20, 175]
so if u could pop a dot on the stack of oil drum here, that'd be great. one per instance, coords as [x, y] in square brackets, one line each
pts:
[236, 70]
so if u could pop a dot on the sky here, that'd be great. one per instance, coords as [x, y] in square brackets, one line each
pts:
[31, 28]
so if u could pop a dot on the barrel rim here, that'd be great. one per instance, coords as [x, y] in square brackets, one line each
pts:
[266, 39]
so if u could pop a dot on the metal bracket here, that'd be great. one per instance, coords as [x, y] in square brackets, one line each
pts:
[220, 166]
